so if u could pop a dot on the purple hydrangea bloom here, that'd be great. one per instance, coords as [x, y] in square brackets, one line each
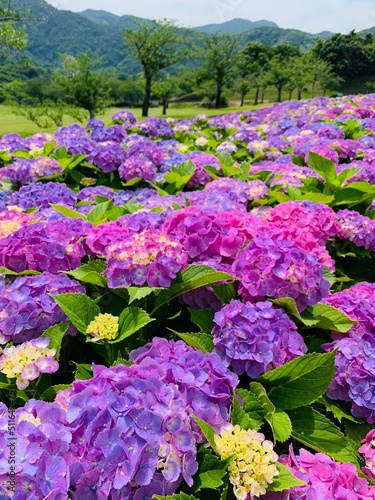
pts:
[115, 133]
[279, 268]
[137, 167]
[51, 246]
[43, 195]
[354, 378]
[27, 308]
[107, 156]
[125, 117]
[357, 228]
[207, 235]
[255, 338]
[149, 256]
[28, 170]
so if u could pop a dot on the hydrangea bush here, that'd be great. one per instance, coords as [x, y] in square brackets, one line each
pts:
[187, 308]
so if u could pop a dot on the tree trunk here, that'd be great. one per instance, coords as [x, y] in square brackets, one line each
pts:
[219, 90]
[147, 98]
[92, 106]
[299, 96]
[256, 96]
[242, 100]
[165, 105]
[279, 90]
[290, 94]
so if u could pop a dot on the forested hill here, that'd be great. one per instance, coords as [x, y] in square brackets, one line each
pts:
[57, 31]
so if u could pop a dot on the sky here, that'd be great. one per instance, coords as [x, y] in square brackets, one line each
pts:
[312, 16]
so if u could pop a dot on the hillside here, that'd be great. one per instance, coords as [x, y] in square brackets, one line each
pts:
[58, 31]
[235, 26]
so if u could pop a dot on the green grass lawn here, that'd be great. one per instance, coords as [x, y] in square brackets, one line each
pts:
[11, 123]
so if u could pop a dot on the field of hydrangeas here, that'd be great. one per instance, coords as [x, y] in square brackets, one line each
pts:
[187, 308]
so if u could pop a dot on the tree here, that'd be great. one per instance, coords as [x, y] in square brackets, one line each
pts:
[157, 45]
[349, 55]
[243, 86]
[85, 82]
[218, 59]
[165, 89]
[279, 75]
[11, 38]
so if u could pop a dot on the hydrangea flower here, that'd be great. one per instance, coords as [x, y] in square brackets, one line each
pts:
[137, 167]
[107, 156]
[125, 117]
[278, 268]
[354, 378]
[38, 195]
[357, 302]
[253, 467]
[149, 256]
[51, 246]
[43, 438]
[368, 451]
[255, 338]
[28, 170]
[13, 219]
[357, 228]
[27, 308]
[27, 361]
[324, 478]
[103, 327]
[207, 235]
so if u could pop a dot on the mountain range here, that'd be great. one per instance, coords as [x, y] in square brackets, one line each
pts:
[56, 31]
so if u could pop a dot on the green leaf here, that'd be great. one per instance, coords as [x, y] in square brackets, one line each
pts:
[208, 431]
[285, 480]
[98, 213]
[55, 334]
[281, 426]
[225, 292]
[204, 318]
[326, 168]
[6, 271]
[346, 174]
[339, 409]
[289, 305]
[243, 419]
[313, 429]
[72, 214]
[253, 407]
[83, 371]
[79, 308]
[176, 496]
[330, 318]
[50, 393]
[357, 432]
[131, 320]
[211, 479]
[190, 279]
[91, 273]
[300, 381]
[138, 293]
[317, 198]
[201, 341]
[48, 148]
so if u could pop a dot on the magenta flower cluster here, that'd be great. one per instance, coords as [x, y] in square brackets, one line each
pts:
[325, 478]
[279, 268]
[150, 257]
[255, 338]
[51, 246]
